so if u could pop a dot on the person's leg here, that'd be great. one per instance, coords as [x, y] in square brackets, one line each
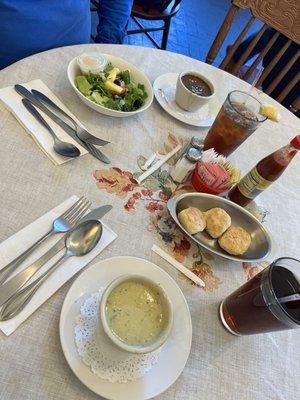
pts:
[113, 18]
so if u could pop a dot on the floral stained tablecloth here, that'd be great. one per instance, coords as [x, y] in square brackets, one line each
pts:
[152, 195]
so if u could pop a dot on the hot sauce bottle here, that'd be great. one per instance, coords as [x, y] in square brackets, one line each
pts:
[264, 173]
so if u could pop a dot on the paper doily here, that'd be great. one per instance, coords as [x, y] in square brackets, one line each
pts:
[100, 354]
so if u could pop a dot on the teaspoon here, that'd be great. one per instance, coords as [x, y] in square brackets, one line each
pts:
[60, 147]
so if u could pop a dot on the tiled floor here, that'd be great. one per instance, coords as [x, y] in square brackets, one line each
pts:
[193, 29]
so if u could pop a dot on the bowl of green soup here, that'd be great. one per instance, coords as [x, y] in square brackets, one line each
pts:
[136, 314]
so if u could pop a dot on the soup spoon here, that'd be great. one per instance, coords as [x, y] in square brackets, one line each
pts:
[79, 241]
[60, 147]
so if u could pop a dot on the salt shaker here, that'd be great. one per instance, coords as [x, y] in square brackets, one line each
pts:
[185, 165]
[197, 143]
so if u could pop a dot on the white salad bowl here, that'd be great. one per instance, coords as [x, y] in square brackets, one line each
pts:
[137, 76]
[168, 312]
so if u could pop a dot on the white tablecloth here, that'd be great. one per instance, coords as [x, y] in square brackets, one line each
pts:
[220, 365]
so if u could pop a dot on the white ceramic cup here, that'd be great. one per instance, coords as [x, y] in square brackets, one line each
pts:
[168, 311]
[188, 100]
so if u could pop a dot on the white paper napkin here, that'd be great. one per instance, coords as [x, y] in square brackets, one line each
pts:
[12, 100]
[16, 244]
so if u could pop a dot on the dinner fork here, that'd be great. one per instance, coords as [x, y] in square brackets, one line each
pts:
[82, 133]
[63, 223]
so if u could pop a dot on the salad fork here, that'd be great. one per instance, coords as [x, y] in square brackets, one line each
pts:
[82, 133]
[63, 223]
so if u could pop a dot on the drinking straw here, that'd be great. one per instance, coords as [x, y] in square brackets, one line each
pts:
[158, 164]
[148, 162]
[292, 297]
[189, 274]
[249, 93]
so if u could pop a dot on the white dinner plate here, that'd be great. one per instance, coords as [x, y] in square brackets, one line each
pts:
[164, 88]
[175, 351]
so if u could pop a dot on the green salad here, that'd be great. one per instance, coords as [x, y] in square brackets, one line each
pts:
[113, 89]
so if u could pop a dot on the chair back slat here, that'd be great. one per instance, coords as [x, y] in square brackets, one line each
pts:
[221, 35]
[272, 64]
[287, 90]
[260, 56]
[282, 73]
[176, 3]
[237, 42]
[295, 106]
[282, 15]
[275, 48]
[251, 46]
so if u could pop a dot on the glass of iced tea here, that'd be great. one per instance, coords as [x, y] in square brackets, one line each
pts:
[268, 302]
[237, 119]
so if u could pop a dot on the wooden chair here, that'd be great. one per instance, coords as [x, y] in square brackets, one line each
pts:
[94, 5]
[154, 14]
[295, 106]
[284, 17]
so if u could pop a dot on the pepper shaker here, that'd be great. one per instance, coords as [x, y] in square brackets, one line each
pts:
[197, 143]
[185, 165]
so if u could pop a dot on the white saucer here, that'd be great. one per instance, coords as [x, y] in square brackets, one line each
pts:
[175, 351]
[164, 88]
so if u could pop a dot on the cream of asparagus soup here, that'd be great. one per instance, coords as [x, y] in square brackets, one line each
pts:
[135, 312]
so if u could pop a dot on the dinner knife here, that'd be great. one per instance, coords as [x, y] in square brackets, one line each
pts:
[9, 288]
[88, 146]
[81, 133]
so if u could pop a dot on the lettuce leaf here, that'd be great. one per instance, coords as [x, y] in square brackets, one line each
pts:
[125, 75]
[93, 87]
[83, 85]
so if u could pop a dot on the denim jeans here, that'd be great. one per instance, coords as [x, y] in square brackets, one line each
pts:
[114, 16]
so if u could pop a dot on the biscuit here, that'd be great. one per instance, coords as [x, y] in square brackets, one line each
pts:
[235, 240]
[217, 222]
[192, 219]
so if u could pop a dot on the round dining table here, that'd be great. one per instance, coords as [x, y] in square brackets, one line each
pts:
[220, 365]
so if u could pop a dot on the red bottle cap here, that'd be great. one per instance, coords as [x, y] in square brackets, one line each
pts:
[296, 142]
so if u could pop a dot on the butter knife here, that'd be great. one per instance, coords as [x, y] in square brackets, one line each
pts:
[88, 146]
[9, 288]
[82, 133]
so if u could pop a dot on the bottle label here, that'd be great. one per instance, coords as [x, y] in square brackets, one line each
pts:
[253, 184]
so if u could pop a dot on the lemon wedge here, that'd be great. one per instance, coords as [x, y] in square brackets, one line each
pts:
[270, 111]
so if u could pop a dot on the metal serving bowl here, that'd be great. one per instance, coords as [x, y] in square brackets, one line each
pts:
[261, 241]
